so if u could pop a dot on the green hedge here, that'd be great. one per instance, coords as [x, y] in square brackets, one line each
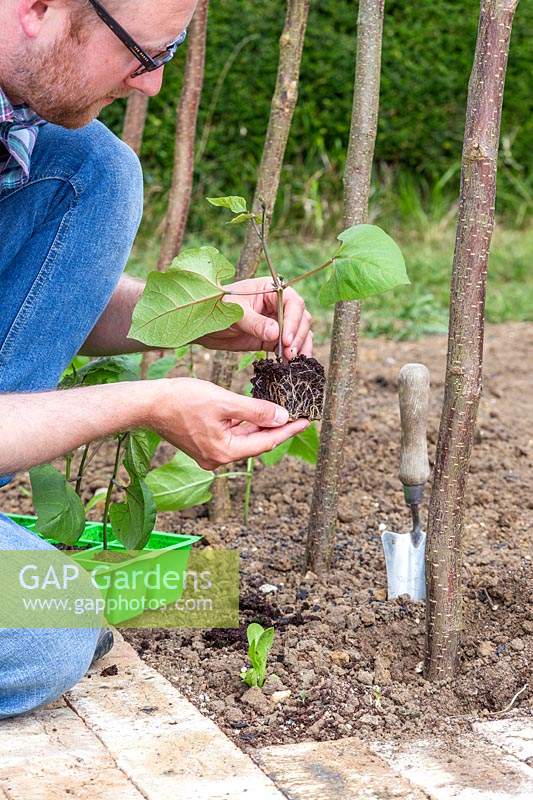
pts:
[427, 56]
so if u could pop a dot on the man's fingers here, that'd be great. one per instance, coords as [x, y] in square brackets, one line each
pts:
[262, 441]
[244, 428]
[307, 348]
[260, 327]
[294, 308]
[260, 412]
[301, 335]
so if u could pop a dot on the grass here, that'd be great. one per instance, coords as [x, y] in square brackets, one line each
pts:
[408, 312]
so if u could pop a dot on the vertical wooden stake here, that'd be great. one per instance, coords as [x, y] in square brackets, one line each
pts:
[279, 124]
[134, 121]
[344, 338]
[179, 197]
[465, 339]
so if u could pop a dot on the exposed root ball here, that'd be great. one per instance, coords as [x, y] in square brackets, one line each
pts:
[298, 385]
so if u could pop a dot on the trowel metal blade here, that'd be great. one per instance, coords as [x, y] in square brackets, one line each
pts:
[404, 561]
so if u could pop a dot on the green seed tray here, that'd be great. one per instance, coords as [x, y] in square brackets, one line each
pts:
[123, 584]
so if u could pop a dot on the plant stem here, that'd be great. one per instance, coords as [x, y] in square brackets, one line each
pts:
[278, 283]
[68, 465]
[463, 382]
[192, 371]
[132, 134]
[310, 272]
[248, 490]
[292, 281]
[260, 231]
[110, 490]
[281, 112]
[81, 469]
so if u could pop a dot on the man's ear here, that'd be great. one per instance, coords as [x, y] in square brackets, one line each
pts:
[32, 15]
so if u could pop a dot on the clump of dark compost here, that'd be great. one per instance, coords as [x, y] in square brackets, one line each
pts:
[297, 385]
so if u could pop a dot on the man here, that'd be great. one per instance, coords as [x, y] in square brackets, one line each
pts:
[70, 206]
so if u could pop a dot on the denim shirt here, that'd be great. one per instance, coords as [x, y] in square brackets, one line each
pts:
[19, 126]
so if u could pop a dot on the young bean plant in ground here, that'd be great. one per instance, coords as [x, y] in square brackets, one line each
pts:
[260, 642]
[187, 301]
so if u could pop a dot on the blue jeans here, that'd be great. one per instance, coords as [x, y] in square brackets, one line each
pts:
[65, 238]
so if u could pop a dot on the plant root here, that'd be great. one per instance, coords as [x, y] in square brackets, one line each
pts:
[297, 385]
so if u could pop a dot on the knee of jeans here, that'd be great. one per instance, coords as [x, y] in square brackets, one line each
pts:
[73, 654]
[59, 659]
[112, 176]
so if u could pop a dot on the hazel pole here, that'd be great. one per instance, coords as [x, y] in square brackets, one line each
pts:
[132, 134]
[134, 121]
[179, 198]
[463, 381]
[344, 341]
[282, 108]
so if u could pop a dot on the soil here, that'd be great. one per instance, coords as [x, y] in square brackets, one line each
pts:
[107, 671]
[61, 546]
[350, 658]
[297, 385]
[110, 557]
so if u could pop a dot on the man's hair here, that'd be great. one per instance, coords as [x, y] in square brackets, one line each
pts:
[83, 14]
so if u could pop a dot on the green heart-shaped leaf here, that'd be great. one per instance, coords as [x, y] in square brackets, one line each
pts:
[368, 262]
[244, 218]
[161, 367]
[180, 484]
[233, 202]
[304, 445]
[134, 520]
[109, 369]
[140, 448]
[60, 512]
[185, 303]
[254, 632]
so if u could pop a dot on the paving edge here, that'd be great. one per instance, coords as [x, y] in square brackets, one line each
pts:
[158, 739]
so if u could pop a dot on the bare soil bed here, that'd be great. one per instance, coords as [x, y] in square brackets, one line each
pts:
[350, 658]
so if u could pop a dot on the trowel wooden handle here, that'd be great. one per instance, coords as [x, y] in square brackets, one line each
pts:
[414, 402]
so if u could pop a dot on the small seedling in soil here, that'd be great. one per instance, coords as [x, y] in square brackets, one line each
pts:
[187, 302]
[259, 644]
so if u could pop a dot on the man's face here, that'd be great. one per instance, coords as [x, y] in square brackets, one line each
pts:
[75, 65]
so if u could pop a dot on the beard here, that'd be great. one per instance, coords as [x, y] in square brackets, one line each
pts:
[53, 84]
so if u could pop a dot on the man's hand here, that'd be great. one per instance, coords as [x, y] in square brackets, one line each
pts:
[209, 423]
[216, 426]
[258, 329]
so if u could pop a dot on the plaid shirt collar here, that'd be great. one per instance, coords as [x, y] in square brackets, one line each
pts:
[19, 126]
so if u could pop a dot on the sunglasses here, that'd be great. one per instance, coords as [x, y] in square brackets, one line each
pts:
[149, 63]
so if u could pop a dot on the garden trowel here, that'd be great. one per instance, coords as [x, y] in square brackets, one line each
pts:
[405, 552]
